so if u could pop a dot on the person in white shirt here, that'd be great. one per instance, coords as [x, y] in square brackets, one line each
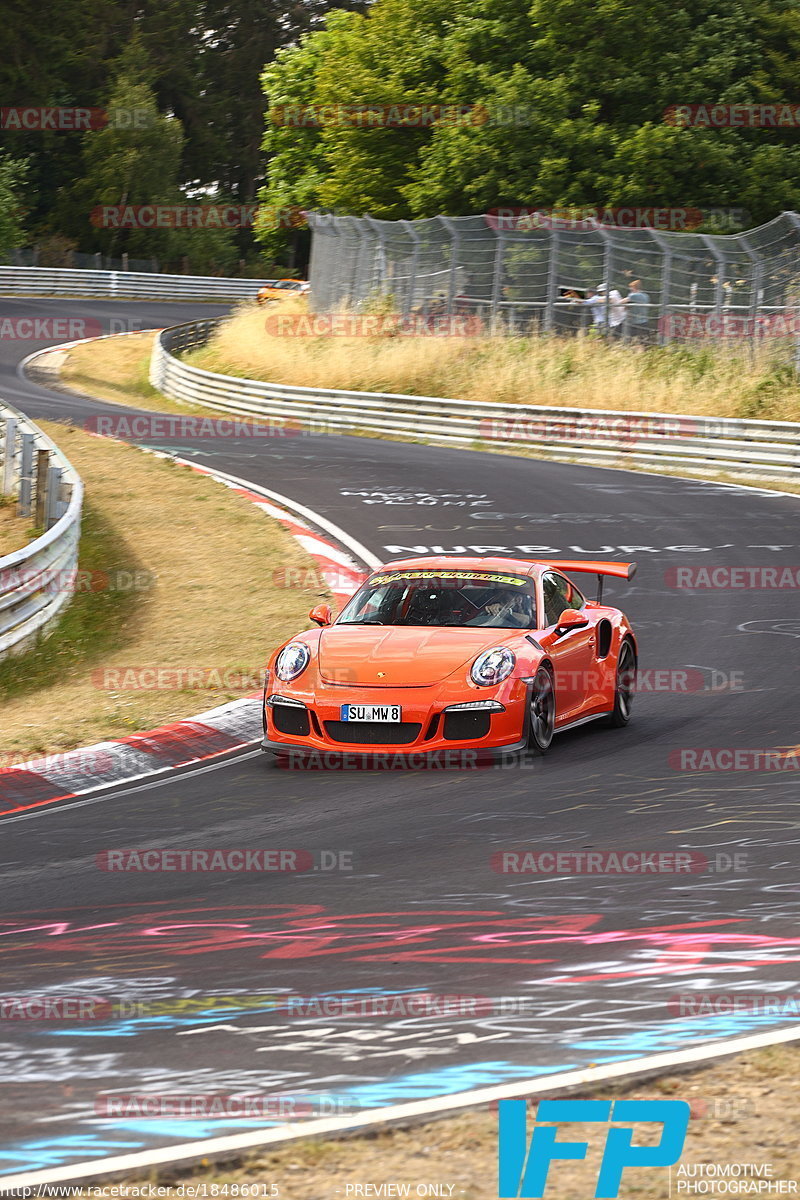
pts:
[605, 304]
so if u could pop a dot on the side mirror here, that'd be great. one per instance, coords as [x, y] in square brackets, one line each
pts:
[320, 614]
[571, 619]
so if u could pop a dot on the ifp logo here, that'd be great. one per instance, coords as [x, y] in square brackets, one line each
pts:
[523, 1170]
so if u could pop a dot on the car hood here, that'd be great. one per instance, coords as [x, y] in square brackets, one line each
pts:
[407, 656]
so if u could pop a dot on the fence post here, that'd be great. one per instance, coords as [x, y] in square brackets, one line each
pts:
[497, 276]
[552, 282]
[353, 228]
[382, 261]
[455, 248]
[608, 261]
[719, 259]
[757, 292]
[42, 464]
[25, 472]
[412, 233]
[9, 461]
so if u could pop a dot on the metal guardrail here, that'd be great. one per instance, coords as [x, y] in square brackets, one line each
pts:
[37, 581]
[700, 445]
[61, 281]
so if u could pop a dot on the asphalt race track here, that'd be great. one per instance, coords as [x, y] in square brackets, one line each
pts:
[582, 968]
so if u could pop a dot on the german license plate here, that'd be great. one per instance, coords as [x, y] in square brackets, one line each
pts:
[387, 713]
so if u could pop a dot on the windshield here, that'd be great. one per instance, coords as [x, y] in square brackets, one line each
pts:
[471, 598]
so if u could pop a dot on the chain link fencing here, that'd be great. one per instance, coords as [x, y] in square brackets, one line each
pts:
[537, 273]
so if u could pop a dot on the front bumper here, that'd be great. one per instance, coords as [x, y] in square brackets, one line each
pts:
[429, 728]
[392, 757]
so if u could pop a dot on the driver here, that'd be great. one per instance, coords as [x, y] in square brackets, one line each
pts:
[507, 609]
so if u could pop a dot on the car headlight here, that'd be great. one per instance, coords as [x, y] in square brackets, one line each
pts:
[292, 661]
[493, 666]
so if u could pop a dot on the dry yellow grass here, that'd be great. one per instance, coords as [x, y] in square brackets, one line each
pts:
[743, 1112]
[15, 532]
[213, 608]
[578, 372]
[116, 369]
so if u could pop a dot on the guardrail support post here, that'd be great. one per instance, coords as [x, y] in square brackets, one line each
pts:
[53, 496]
[42, 464]
[9, 461]
[25, 473]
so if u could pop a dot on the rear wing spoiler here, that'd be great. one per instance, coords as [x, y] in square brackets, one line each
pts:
[619, 570]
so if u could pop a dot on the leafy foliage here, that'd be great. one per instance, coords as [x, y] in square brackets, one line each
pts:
[13, 174]
[576, 92]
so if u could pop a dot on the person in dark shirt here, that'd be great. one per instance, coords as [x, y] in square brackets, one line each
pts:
[637, 305]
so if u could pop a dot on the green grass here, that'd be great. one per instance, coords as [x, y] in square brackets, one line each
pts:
[93, 623]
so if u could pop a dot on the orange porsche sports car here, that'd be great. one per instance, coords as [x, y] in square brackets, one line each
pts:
[446, 653]
[281, 288]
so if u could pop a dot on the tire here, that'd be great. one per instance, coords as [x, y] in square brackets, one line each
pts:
[624, 686]
[541, 712]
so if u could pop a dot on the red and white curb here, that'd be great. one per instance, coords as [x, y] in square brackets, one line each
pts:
[233, 726]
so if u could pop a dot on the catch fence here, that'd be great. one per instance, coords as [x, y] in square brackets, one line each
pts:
[525, 272]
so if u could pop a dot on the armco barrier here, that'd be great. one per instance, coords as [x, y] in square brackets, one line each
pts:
[698, 445]
[58, 281]
[37, 581]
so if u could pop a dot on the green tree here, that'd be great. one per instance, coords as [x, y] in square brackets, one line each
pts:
[576, 93]
[134, 161]
[13, 174]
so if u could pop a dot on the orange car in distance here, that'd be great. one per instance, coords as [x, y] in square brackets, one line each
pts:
[447, 653]
[280, 288]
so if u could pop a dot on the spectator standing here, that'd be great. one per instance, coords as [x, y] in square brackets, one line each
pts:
[607, 308]
[637, 310]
